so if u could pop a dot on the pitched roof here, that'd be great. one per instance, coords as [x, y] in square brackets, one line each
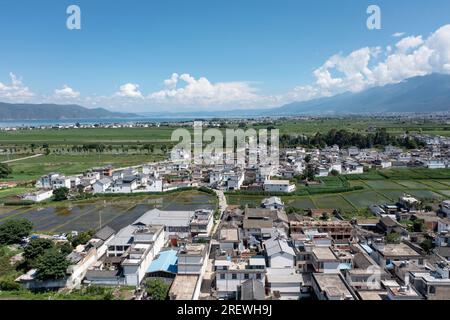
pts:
[104, 233]
[165, 261]
[252, 289]
[274, 245]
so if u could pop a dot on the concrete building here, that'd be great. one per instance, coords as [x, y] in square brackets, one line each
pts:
[331, 287]
[38, 196]
[282, 186]
[285, 284]
[279, 253]
[230, 275]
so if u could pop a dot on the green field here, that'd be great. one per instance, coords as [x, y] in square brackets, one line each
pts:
[357, 202]
[73, 164]
[79, 136]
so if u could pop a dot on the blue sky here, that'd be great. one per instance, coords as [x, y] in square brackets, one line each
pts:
[250, 53]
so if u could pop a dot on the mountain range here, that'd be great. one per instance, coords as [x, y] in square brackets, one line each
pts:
[9, 111]
[425, 94]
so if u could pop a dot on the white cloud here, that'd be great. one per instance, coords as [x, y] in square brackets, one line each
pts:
[129, 90]
[66, 93]
[398, 34]
[16, 91]
[409, 43]
[367, 67]
[186, 90]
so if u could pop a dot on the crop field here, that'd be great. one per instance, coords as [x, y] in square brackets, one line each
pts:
[382, 184]
[116, 212]
[80, 136]
[357, 124]
[72, 164]
[335, 201]
[357, 202]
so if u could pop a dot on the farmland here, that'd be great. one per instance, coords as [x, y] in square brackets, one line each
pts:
[355, 203]
[117, 212]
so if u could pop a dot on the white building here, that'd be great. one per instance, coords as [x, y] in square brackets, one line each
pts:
[231, 275]
[38, 196]
[279, 253]
[278, 186]
[285, 283]
[192, 258]
[102, 185]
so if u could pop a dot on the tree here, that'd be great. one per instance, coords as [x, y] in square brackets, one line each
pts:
[156, 289]
[418, 225]
[309, 173]
[66, 248]
[5, 170]
[334, 173]
[12, 231]
[308, 158]
[324, 216]
[427, 245]
[61, 194]
[392, 238]
[35, 248]
[52, 265]
[81, 238]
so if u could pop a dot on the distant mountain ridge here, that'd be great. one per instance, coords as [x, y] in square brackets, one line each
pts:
[22, 111]
[426, 94]
[415, 95]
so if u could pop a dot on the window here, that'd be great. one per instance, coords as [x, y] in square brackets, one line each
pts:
[432, 289]
[234, 276]
[246, 276]
[222, 276]
[258, 276]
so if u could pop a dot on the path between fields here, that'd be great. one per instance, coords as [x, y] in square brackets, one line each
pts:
[25, 158]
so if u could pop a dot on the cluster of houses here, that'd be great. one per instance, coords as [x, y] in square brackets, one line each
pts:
[162, 244]
[265, 254]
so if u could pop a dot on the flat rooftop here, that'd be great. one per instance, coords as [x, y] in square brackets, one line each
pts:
[398, 250]
[372, 295]
[183, 287]
[333, 285]
[324, 253]
[229, 235]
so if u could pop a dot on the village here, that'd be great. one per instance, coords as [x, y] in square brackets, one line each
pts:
[262, 252]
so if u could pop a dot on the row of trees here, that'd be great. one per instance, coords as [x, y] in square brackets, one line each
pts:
[344, 138]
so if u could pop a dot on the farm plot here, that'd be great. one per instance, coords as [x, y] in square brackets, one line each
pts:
[410, 184]
[366, 198]
[383, 185]
[335, 201]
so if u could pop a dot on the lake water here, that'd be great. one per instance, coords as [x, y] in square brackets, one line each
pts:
[37, 123]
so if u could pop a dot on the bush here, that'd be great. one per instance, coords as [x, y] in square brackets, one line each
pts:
[9, 285]
[12, 231]
[5, 170]
[61, 194]
[156, 289]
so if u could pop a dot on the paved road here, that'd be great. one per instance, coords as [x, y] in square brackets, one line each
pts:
[222, 207]
[25, 158]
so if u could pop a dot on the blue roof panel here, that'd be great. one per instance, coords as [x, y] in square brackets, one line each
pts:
[165, 261]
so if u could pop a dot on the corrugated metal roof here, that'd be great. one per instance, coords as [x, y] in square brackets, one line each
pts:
[165, 261]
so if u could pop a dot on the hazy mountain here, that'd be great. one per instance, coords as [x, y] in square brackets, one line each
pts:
[419, 94]
[415, 95]
[10, 111]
